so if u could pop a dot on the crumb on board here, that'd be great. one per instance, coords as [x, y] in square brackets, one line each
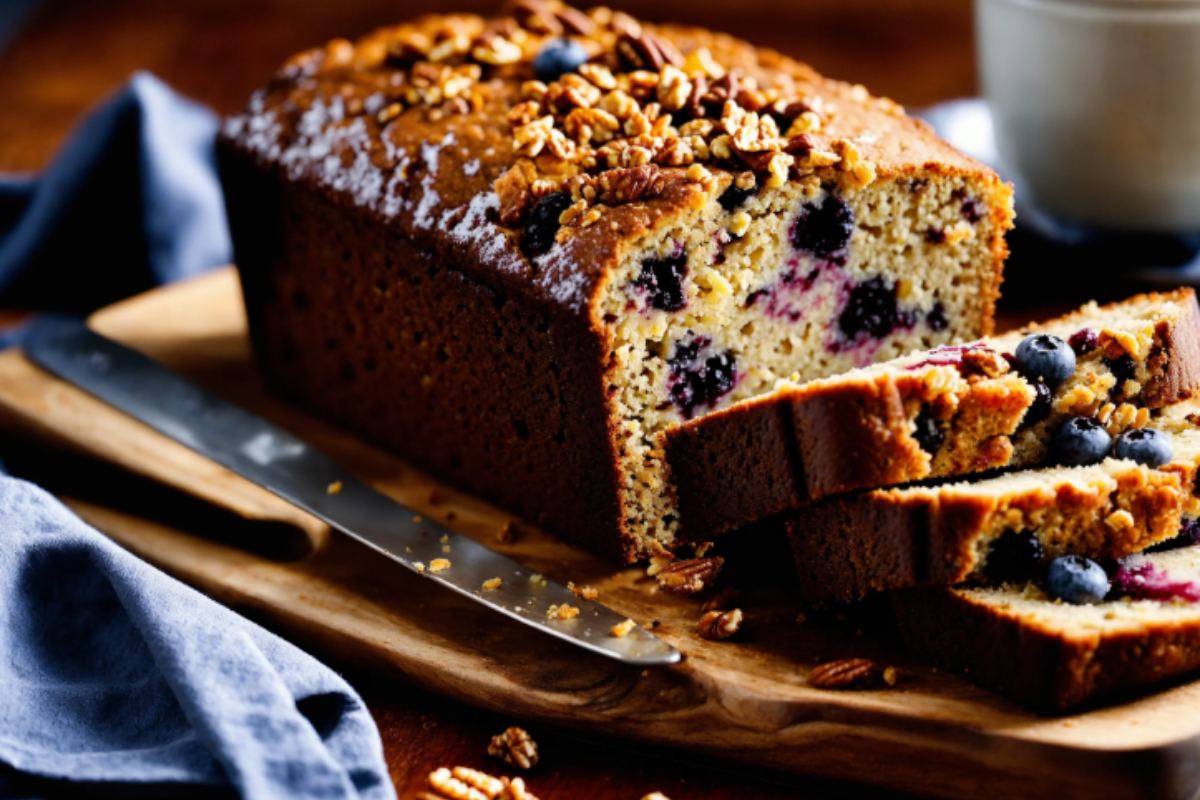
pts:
[565, 611]
[418, 519]
[491, 583]
[438, 564]
[419, 566]
[585, 592]
[334, 488]
[621, 628]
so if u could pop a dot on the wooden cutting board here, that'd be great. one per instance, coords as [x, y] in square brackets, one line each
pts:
[746, 700]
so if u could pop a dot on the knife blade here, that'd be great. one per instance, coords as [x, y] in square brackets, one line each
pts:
[295, 471]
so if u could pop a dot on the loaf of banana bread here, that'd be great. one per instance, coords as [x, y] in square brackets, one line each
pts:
[946, 412]
[517, 249]
[1052, 656]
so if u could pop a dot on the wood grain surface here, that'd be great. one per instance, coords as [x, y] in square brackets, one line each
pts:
[746, 701]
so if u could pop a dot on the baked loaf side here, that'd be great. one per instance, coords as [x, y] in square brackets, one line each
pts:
[947, 412]
[516, 249]
[1052, 656]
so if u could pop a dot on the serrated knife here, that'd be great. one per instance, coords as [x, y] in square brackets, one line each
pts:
[290, 468]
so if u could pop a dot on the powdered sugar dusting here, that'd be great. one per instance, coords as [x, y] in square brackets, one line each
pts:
[558, 275]
[471, 168]
[475, 230]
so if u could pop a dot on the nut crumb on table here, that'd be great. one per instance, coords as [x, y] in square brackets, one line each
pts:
[334, 488]
[718, 625]
[492, 583]
[846, 673]
[438, 564]
[515, 746]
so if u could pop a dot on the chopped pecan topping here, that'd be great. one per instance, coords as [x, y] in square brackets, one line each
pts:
[718, 625]
[984, 361]
[630, 185]
[1118, 343]
[848, 673]
[516, 747]
[690, 576]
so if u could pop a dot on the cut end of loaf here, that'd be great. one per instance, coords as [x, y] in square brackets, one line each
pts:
[806, 280]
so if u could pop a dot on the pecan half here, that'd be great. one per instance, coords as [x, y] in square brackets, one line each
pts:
[630, 184]
[689, 576]
[718, 625]
[516, 747]
[984, 361]
[847, 673]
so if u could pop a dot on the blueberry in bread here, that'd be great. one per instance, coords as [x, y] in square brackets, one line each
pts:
[517, 267]
[1005, 528]
[1015, 639]
[946, 412]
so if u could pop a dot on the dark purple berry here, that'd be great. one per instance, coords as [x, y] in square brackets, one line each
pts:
[543, 223]
[936, 318]
[1123, 368]
[873, 308]
[698, 380]
[1042, 357]
[558, 57]
[1080, 441]
[1188, 535]
[662, 278]
[928, 434]
[1014, 557]
[1039, 409]
[1084, 341]
[825, 230]
[972, 209]
[733, 197]
[1076, 580]
[1146, 446]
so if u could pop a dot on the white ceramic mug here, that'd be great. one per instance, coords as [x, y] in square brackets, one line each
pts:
[1096, 106]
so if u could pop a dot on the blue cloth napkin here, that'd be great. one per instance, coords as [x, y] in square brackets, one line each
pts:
[131, 201]
[113, 672]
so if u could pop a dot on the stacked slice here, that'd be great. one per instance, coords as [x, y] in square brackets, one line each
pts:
[1016, 640]
[946, 412]
[1035, 581]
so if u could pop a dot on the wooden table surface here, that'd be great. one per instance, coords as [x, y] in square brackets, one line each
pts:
[71, 53]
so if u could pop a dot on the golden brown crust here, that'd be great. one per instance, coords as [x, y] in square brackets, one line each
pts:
[846, 547]
[1036, 666]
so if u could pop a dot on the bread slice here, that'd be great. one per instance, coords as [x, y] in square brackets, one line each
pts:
[1052, 656]
[848, 546]
[946, 412]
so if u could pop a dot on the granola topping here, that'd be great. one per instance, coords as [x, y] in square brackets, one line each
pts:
[648, 109]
